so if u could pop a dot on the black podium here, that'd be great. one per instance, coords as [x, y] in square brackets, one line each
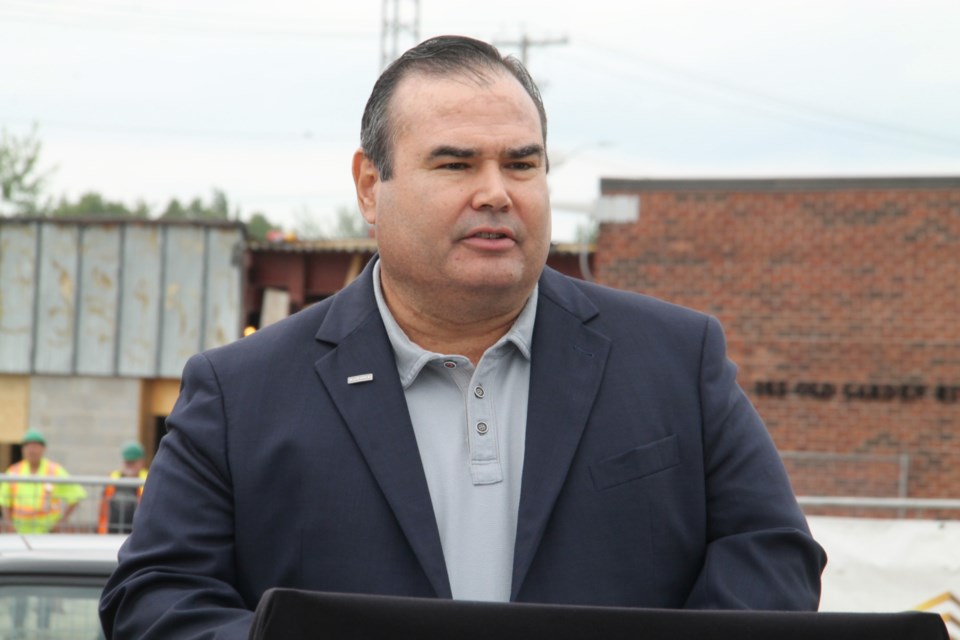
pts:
[289, 614]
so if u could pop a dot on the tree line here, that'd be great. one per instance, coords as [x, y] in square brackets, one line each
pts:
[24, 192]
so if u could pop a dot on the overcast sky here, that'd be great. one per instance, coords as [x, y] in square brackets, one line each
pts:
[143, 99]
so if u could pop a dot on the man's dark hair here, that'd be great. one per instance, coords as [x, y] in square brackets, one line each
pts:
[443, 55]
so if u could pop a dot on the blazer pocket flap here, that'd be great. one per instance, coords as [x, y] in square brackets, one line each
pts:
[636, 463]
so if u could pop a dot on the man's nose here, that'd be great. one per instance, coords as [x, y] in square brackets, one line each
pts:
[490, 189]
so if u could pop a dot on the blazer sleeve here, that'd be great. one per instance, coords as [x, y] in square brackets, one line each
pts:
[759, 552]
[176, 570]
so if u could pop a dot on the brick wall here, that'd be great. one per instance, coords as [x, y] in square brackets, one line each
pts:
[841, 303]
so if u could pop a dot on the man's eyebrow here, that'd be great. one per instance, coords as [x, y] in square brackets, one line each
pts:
[446, 151]
[449, 151]
[525, 152]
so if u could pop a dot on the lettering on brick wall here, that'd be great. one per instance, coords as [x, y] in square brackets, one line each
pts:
[858, 392]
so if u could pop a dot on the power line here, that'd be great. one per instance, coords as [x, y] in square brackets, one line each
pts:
[525, 43]
[790, 103]
[136, 10]
[306, 135]
[697, 83]
[127, 20]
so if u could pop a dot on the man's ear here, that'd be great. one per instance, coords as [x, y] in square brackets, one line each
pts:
[366, 179]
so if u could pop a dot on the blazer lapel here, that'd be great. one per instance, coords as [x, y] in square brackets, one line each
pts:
[567, 365]
[375, 411]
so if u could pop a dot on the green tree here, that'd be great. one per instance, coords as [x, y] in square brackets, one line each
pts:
[258, 227]
[347, 223]
[350, 224]
[94, 204]
[21, 181]
[142, 210]
[218, 209]
[306, 226]
[174, 211]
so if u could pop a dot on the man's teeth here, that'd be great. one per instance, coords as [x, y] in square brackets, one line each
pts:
[490, 236]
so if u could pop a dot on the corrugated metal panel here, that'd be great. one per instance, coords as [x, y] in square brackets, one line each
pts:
[98, 297]
[121, 298]
[224, 286]
[140, 302]
[183, 255]
[54, 332]
[18, 260]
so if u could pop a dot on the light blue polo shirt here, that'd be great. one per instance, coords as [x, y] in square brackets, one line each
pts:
[470, 424]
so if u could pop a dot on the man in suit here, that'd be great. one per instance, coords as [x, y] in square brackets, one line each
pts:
[462, 421]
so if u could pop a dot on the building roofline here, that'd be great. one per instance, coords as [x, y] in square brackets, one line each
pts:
[121, 220]
[613, 185]
[327, 245]
[369, 245]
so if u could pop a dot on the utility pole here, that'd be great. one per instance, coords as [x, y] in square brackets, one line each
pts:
[401, 20]
[525, 43]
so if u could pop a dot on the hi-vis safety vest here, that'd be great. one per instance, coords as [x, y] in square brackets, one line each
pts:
[103, 526]
[36, 507]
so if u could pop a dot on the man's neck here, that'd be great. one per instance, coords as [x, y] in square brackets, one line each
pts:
[465, 327]
[470, 340]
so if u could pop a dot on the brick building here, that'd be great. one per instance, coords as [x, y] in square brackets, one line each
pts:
[841, 303]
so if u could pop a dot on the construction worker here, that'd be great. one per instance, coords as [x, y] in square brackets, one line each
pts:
[119, 503]
[35, 506]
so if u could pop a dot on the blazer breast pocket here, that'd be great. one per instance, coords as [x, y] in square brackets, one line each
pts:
[636, 463]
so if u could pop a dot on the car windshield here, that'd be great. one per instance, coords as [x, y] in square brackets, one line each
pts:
[50, 611]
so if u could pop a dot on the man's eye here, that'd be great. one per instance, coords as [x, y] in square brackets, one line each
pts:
[520, 166]
[455, 166]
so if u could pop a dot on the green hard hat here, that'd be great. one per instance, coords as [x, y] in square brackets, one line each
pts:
[132, 451]
[32, 435]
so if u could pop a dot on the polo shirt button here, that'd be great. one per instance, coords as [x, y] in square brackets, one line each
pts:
[478, 392]
[481, 428]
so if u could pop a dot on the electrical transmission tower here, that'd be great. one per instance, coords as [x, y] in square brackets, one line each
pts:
[525, 43]
[400, 18]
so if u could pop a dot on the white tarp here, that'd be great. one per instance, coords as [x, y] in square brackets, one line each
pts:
[879, 565]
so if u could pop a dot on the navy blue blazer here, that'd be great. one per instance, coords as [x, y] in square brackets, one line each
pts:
[648, 479]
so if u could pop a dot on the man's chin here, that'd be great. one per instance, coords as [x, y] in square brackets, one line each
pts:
[491, 276]
[496, 283]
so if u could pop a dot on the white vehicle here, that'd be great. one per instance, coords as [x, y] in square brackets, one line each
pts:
[50, 584]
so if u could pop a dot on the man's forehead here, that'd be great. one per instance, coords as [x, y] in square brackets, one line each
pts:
[415, 84]
[468, 76]
[420, 96]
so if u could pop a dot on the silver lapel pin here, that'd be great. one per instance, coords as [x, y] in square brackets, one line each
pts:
[363, 377]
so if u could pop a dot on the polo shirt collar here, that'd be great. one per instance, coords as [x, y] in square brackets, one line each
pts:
[411, 357]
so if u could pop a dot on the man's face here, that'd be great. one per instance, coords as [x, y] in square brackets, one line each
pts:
[466, 210]
[132, 467]
[32, 452]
